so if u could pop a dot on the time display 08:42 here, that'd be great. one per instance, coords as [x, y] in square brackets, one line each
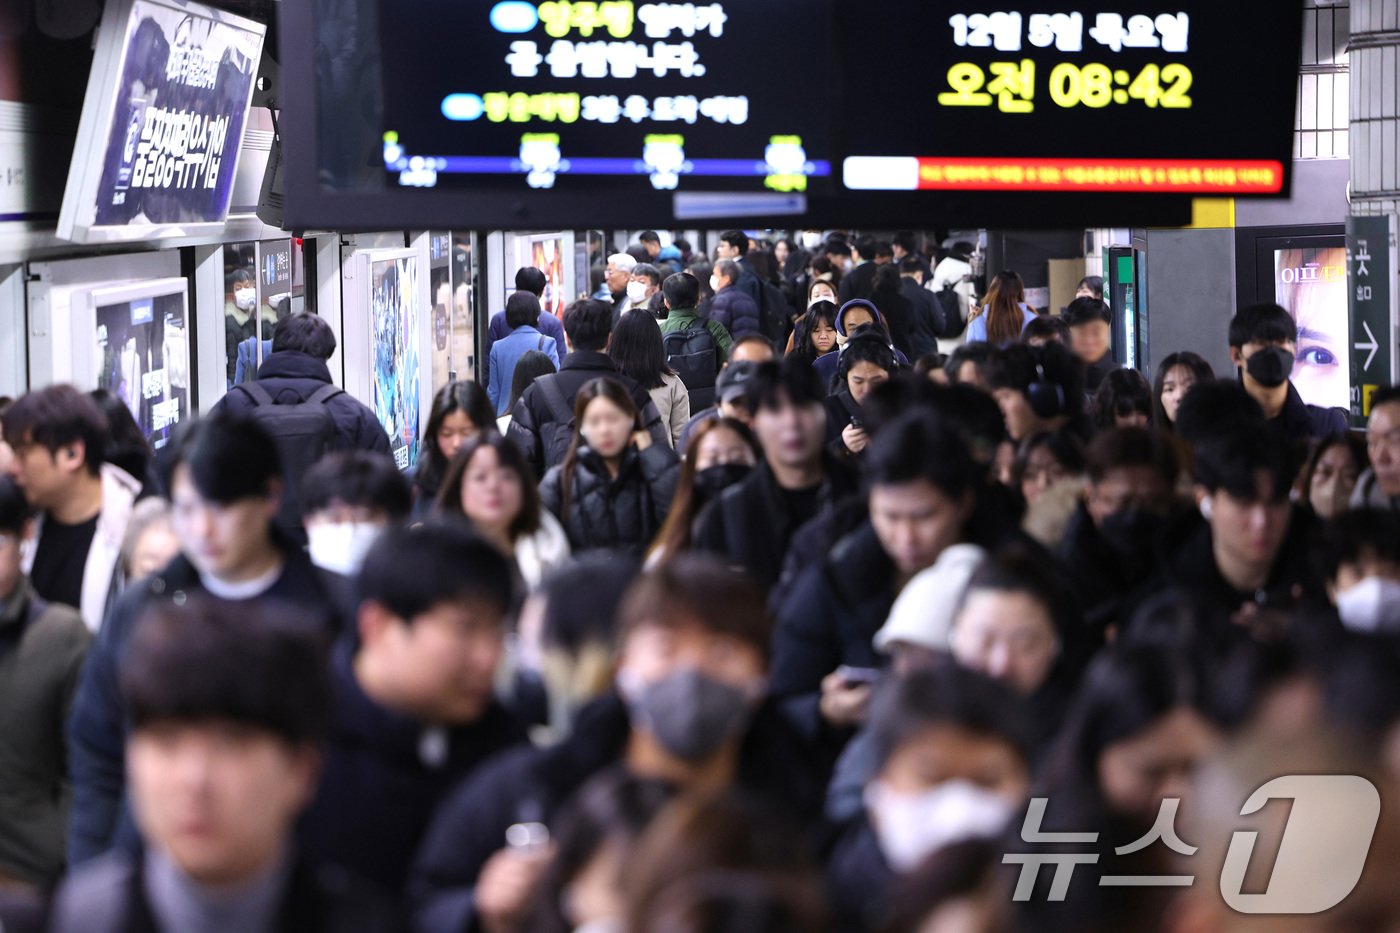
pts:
[1012, 86]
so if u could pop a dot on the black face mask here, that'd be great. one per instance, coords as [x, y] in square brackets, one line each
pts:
[714, 480]
[1270, 367]
[1132, 533]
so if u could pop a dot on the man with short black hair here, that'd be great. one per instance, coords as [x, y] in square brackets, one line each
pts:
[415, 711]
[905, 245]
[1264, 347]
[220, 764]
[752, 523]
[349, 499]
[59, 436]
[1379, 486]
[531, 280]
[731, 388]
[1090, 323]
[225, 483]
[543, 418]
[1249, 564]
[651, 242]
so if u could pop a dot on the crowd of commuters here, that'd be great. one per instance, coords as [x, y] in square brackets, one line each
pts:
[692, 621]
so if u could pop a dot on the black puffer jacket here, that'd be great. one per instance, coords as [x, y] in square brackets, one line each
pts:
[621, 513]
[290, 377]
[737, 312]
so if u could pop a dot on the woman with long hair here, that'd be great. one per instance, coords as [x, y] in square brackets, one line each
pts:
[640, 354]
[815, 333]
[614, 488]
[1004, 314]
[532, 365]
[461, 411]
[721, 453]
[1178, 373]
[491, 486]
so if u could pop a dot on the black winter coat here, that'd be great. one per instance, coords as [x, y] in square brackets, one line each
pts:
[531, 786]
[379, 789]
[290, 376]
[97, 723]
[621, 513]
[737, 312]
[532, 413]
[928, 320]
[750, 522]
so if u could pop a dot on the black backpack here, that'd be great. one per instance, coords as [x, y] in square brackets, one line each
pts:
[694, 355]
[305, 432]
[558, 433]
[951, 306]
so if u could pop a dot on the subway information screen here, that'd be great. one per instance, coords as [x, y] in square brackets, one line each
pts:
[1145, 98]
[609, 95]
[588, 113]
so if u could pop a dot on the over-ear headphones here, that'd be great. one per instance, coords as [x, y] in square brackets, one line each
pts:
[1047, 398]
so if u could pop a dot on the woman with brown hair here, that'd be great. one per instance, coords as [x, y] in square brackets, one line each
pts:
[1005, 313]
[490, 485]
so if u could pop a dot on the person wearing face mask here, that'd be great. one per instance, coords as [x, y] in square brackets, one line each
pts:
[952, 764]
[732, 306]
[240, 303]
[1263, 347]
[1361, 558]
[615, 486]
[644, 289]
[1111, 545]
[722, 453]
[349, 499]
[753, 523]
[688, 709]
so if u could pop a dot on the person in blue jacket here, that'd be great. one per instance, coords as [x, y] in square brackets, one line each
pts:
[527, 279]
[522, 312]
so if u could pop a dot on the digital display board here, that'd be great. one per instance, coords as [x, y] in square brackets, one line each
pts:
[559, 113]
[1311, 283]
[162, 122]
[1107, 96]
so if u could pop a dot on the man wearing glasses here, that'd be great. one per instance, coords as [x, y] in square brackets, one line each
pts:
[1379, 487]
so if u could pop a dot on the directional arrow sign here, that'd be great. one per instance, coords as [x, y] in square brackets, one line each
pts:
[1371, 345]
[1372, 303]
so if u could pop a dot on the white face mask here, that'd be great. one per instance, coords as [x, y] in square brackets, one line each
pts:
[911, 827]
[245, 298]
[716, 283]
[1371, 606]
[341, 547]
[1206, 508]
[637, 291]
